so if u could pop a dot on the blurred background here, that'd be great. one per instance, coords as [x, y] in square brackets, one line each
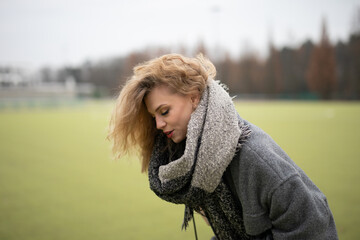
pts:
[62, 64]
[262, 49]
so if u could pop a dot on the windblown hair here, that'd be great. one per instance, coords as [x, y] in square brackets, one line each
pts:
[131, 127]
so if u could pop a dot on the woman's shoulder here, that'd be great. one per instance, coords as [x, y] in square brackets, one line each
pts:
[262, 156]
[260, 167]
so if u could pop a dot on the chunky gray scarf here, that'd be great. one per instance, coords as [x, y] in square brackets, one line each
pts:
[193, 174]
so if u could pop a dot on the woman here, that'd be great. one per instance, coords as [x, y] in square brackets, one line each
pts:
[199, 152]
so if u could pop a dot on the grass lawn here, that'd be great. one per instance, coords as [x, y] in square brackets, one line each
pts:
[58, 181]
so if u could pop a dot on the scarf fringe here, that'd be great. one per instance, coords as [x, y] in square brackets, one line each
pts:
[245, 134]
[188, 215]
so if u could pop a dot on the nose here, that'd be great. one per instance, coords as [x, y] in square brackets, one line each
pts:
[160, 123]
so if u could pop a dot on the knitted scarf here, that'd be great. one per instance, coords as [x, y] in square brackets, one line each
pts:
[193, 175]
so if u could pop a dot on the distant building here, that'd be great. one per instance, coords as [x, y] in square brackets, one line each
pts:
[17, 83]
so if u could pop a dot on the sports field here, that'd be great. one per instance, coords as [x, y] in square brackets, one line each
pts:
[58, 180]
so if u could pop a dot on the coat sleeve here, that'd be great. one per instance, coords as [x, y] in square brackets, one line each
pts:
[297, 213]
[276, 195]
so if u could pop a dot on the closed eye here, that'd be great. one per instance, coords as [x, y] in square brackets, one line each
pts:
[164, 113]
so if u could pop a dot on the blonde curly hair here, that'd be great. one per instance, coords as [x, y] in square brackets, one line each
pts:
[131, 127]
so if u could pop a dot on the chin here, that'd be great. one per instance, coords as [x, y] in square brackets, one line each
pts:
[177, 140]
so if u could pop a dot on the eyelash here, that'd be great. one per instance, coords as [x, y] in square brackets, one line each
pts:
[164, 113]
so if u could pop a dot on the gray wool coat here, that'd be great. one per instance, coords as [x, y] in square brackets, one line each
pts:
[275, 194]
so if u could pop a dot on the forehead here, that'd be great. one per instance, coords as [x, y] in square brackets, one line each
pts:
[161, 95]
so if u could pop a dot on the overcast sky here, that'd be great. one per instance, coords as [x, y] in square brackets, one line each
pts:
[35, 33]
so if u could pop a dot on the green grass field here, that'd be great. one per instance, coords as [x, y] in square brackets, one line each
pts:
[58, 180]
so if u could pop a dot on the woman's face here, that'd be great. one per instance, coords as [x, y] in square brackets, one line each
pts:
[171, 111]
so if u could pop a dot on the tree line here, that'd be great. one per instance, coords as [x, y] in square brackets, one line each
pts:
[319, 70]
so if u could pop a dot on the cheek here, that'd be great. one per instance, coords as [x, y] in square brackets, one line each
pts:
[186, 115]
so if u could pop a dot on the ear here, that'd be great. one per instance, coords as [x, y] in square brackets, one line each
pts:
[195, 99]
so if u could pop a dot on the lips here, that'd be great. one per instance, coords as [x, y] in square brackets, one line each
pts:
[169, 133]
